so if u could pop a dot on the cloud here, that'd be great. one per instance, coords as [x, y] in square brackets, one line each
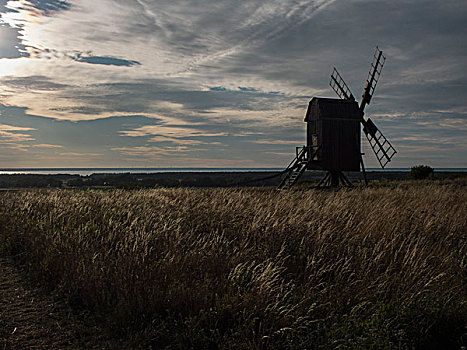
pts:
[170, 131]
[49, 7]
[12, 146]
[278, 142]
[4, 127]
[104, 60]
[153, 151]
[248, 133]
[280, 154]
[169, 73]
[46, 145]
[180, 141]
[10, 45]
[9, 134]
[81, 155]
[34, 82]
[14, 137]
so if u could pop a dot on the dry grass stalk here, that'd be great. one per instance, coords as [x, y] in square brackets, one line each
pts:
[254, 268]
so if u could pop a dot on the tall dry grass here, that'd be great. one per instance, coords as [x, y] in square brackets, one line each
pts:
[254, 268]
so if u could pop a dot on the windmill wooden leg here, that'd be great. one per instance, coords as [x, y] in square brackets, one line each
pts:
[335, 177]
[345, 180]
[363, 170]
[323, 181]
[330, 179]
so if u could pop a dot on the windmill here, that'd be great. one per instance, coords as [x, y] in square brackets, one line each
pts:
[333, 133]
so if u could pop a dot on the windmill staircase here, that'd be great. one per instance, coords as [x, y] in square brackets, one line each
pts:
[304, 156]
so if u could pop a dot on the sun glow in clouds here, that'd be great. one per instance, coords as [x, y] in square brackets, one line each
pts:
[207, 77]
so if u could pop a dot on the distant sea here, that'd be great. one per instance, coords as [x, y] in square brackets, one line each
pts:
[89, 171]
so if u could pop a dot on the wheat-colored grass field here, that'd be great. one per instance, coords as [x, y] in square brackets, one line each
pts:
[381, 267]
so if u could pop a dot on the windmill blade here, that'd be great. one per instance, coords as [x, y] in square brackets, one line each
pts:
[383, 149]
[373, 77]
[340, 87]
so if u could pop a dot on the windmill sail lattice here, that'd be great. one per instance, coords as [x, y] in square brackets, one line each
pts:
[340, 87]
[372, 78]
[383, 149]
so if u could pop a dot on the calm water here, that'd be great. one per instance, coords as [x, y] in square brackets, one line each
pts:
[89, 171]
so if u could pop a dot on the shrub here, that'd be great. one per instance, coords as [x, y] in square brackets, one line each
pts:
[420, 172]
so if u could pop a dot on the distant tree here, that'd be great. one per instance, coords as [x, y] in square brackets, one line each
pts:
[420, 172]
[78, 182]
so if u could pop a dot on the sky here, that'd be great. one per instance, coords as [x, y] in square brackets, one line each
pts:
[223, 83]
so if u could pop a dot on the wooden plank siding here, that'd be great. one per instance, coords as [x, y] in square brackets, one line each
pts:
[334, 124]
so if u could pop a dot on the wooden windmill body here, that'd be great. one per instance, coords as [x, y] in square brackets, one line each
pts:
[334, 133]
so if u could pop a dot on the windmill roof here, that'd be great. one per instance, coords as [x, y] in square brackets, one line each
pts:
[332, 108]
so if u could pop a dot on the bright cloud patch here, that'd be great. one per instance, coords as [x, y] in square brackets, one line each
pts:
[14, 134]
[170, 131]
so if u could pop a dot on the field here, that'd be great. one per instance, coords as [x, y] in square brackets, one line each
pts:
[381, 267]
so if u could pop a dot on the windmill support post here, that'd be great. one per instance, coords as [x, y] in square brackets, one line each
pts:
[334, 178]
[363, 169]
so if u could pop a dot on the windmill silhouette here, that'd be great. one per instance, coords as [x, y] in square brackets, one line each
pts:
[333, 133]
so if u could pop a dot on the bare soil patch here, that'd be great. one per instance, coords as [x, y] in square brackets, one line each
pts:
[31, 319]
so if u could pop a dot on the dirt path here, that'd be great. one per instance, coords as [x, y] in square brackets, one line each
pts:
[29, 319]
